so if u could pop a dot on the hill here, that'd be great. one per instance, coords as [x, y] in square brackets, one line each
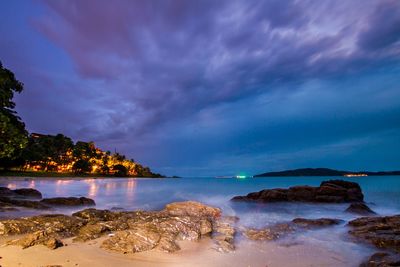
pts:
[324, 172]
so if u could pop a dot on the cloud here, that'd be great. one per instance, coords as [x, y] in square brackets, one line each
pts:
[238, 77]
[383, 29]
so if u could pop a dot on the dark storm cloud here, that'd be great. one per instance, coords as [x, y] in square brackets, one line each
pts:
[383, 28]
[183, 84]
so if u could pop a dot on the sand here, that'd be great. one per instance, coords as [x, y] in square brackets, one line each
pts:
[249, 254]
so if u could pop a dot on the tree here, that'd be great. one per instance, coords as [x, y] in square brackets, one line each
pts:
[82, 166]
[84, 150]
[120, 170]
[13, 136]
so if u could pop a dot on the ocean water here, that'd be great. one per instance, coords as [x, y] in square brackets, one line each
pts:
[382, 194]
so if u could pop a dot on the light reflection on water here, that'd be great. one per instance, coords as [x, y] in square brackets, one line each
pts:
[381, 193]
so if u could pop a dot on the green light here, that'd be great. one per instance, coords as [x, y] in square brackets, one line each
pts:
[241, 176]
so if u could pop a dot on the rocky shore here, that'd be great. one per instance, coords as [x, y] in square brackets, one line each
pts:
[129, 232]
[32, 199]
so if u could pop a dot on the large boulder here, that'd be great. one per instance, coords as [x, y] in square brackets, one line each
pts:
[68, 201]
[332, 191]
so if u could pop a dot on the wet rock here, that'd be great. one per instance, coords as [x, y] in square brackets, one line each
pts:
[6, 207]
[96, 215]
[28, 193]
[161, 230]
[302, 193]
[68, 201]
[131, 241]
[269, 233]
[332, 191]
[360, 208]
[38, 238]
[24, 203]
[21, 193]
[91, 231]
[167, 243]
[382, 259]
[5, 191]
[280, 230]
[383, 232]
[65, 226]
[192, 208]
[131, 231]
[316, 223]
[224, 233]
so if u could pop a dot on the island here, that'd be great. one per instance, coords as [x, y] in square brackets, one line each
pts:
[324, 172]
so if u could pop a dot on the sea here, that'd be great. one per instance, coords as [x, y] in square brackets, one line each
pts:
[381, 193]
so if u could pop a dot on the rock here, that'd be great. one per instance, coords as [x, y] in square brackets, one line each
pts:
[132, 231]
[383, 232]
[6, 207]
[96, 215]
[224, 233]
[20, 193]
[63, 225]
[316, 223]
[28, 193]
[382, 259]
[24, 203]
[68, 201]
[333, 191]
[269, 233]
[131, 241]
[301, 193]
[167, 243]
[5, 191]
[38, 238]
[360, 208]
[91, 231]
[192, 208]
[280, 230]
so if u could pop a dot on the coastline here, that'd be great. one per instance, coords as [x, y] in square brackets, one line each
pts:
[193, 254]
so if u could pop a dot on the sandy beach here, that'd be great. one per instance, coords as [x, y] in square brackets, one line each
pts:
[193, 254]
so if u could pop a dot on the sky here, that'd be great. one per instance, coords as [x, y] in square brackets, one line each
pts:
[204, 88]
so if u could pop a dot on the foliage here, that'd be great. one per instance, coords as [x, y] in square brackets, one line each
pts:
[59, 154]
[120, 170]
[84, 150]
[82, 166]
[13, 136]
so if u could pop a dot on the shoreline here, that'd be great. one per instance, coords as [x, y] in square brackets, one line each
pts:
[193, 254]
[148, 237]
[76, 178]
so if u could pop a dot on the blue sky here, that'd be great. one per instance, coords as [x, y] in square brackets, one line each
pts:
[203, 88]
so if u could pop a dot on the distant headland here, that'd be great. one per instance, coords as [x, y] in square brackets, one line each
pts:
[324, 172]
